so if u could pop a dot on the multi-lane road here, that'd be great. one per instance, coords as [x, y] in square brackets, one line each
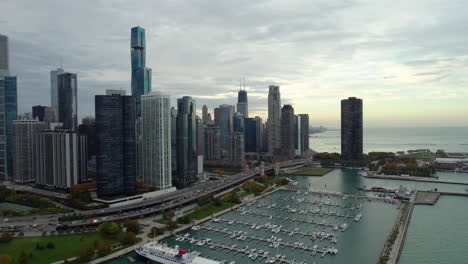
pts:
[151, 206]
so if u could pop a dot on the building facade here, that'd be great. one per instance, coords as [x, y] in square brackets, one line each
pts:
[224, 120]
[4, 56]
[115, 145]
[156, 144]
[8, 113]
[205, 114]
[287, 132]
[50, 115]
[38, 112]
[304, 132]
[174, 140]
[186, 142]
[54, 89]
[212, 142]
[141, 76]
[23, 142]
[59, 158]
[274, 119]
[242, 103]
[253, 134]
[68, 101]
[351, 129]
[236, 149]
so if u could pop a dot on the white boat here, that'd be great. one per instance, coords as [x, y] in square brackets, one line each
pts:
[159, 253]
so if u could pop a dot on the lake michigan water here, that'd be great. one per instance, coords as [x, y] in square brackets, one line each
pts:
[452, 139]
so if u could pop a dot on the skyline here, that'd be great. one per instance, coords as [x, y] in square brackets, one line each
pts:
[323, 54]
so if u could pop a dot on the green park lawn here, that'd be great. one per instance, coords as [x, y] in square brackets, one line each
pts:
[66, 246]
[309, 171]
[209, 210]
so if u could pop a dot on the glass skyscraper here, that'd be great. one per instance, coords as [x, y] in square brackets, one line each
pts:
[67, 101]
[115, 145]
[54, 90]
[141, 76]
[8, 113]
[351, 129]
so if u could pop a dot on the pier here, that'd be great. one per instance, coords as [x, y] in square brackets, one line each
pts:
[412, 178]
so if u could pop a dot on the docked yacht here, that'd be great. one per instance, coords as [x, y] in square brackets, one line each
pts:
[162, 254]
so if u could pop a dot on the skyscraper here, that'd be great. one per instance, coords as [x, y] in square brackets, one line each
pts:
[242, 104]
[223, 118]
[205, 115]
[23, 141]
[253, 134]
[67, 101]
[287, 132]
[50, 114]
[4, 62]
[174, 140]
[236, 148]
[212, 142]
[88, 128]
[186, 142]
[8, 113]
[38, 112]
[238, 122]
[304, 132]
[141, 76]
[60, 158]
[199, 127]
[54, 90]
[156, 143]
[115, 145]
[297, 135]
[274, 118]
[351, 129]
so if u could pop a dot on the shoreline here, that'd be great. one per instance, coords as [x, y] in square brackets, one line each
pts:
[412, 178]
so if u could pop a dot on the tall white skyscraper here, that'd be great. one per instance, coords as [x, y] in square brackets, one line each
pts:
[274, 119]
[156, 140]
[54, 89]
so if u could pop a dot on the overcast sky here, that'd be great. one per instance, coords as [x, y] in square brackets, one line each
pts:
[408, 60]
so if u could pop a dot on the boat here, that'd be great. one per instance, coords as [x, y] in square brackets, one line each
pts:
[160, 253]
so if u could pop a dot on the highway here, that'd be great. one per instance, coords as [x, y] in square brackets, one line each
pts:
[152, 206]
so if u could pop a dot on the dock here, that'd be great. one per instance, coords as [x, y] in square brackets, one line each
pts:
[426, 198]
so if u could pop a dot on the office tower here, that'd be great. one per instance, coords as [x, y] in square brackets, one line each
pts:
[287, 132]
[23, 142]
[304, 134]
[115, 145]
[253, 134]
[156, 143]
[199, 127]
[351, 129]
[38, 112]
[54, 90]
[236, 148]
[238, 122]
[242, 104]
[223, 118]
[49, 115]
[174, 140]
[4, 61]
[138, 146]
[116, 92]
[8, 113]
[297, 135]
[67, 101]
[141, 76]
[88, 128]
[274, 118]
[212, 142]
[205, 115]
[186, 142]
[209, 119]
[59, 158]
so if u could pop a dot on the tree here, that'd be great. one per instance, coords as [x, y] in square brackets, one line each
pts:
[96, 243]
[109, 228]
[155, 231]
[104, 250]
[50, 245]
[5, 237]
[5, 259]
[129, 238]
[85, 255]
[184, 220]
[132, 226]
[172, 225]
[168, 215]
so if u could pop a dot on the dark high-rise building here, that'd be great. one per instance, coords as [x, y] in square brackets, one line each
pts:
[224, 120]
[205, 114]
[8, 113]
[287, 132]
[199, 126]
[236, 148]
[38, 111]
[174, 140]
[304, 132]
[88, 128]
[59, 158]
[274, 120]
[242, 104]
[54, 86]
[4, 56]
[186, 143]
[115, 134]
[23, 142]
[141, 76]
[67, 101]
[212, 142]
[238, 122]
[351, 129]
[253, 134]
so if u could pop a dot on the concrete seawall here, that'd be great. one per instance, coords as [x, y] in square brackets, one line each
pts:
[410, 178]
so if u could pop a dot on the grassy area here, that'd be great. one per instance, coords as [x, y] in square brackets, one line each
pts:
[66, 246]
[15, 207]
[310, 171]
[208, 210]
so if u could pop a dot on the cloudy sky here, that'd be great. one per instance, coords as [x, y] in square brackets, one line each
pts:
[408, 60]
